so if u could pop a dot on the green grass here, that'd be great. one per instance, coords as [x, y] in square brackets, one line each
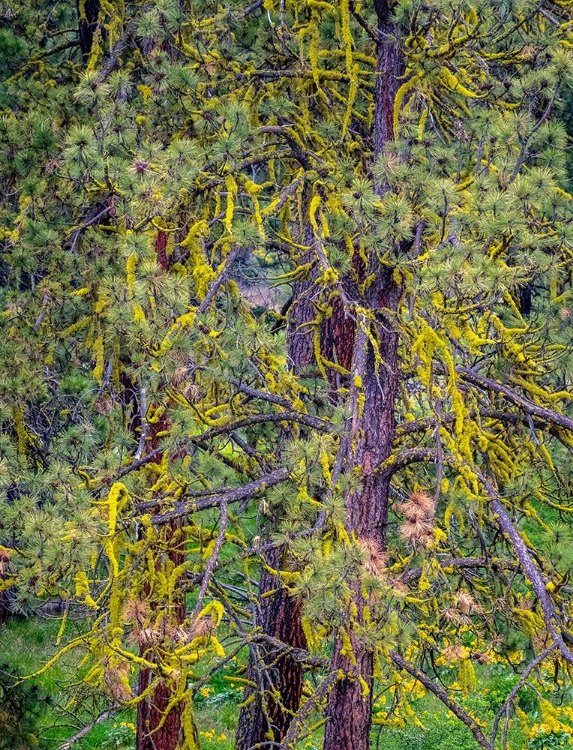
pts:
[27, 644]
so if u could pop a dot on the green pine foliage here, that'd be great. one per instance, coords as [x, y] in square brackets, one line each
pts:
[154, 434]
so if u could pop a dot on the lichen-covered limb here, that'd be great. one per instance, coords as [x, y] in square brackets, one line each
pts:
[282, 401]
[372, 32]
[530, 407]
[463, 563]
[298, 654]
[213, 559]
[550, 617]
[406, 458]
[430, 423]
[505, 708]
[320, 694]
[231, 496]
[221, 277]
[443, 696]
[290, 416]
[109, 65]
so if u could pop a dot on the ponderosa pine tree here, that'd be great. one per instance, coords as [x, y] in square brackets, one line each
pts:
[400, 163]
[123, 393]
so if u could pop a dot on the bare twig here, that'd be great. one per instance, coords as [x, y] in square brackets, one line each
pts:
[88, 727]
[252, 8]
[144, 423]
[296, 724]
[87, 223]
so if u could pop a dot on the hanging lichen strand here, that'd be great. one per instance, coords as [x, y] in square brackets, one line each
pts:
[403, 161]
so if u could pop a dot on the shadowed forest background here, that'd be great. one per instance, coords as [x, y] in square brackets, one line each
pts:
[286, 365]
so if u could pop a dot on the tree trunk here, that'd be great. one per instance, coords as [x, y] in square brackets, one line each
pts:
[266, 718]
[337, 344]
[88, 14]
[5, 611]
[279, 679]
[151, 734]
[349, 710]
[350, 701]
[149, 714]
[6, 595]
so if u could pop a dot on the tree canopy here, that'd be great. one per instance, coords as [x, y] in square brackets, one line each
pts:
[286, 355]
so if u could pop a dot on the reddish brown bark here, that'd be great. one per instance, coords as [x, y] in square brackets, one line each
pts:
[5, 611]
[350, 701]
[337, 343]
[6, 594]
[349, 710]
[266, 717]
[150, 713]
[391, 70]
[152, 734]
[161, 249]
[300, 348]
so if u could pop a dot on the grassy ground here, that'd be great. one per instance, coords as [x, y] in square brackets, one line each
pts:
[26, 645]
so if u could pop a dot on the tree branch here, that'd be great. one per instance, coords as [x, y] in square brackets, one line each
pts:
[400, 460]
[109, 64]
[532, 572]
[296, 416]
[517, 687]
[296, 724]
[528, 406]
[227, 496]
[88, 727]
[464, 563]
[529, 568]
[442, 695]
[218, 281]
[213, 559]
